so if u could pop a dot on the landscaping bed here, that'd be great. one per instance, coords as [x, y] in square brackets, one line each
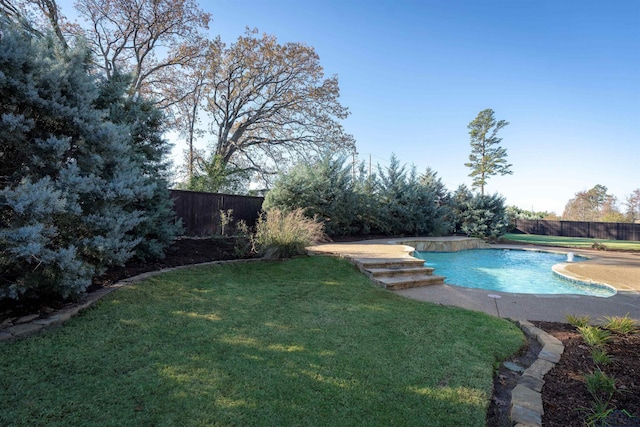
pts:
[565, 397]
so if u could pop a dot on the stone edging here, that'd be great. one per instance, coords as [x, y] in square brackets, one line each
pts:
[526, 398]
[34, 323]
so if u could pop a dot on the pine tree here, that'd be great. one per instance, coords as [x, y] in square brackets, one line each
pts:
[487, 158]
[70, 184]
[149, 151]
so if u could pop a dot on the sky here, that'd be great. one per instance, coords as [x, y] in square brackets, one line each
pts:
[564, 74]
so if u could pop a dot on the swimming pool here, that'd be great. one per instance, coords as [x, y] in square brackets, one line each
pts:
[504, 270]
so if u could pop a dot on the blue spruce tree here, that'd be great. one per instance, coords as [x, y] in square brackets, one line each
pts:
[74, 195]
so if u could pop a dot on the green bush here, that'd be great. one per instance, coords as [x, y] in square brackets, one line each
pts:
[594, 336]
[83, 180]
[408, 204]
[620, 325]
[358, 203]
[282, 234]
[600, 385]
[478, 215]
[323, 190]
[577, 320]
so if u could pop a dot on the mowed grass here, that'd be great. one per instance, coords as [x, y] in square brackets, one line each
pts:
[572, 242]
[308, 341]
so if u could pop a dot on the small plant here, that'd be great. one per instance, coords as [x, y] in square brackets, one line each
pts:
[226, 217]
[594, 336]
[578, 321]
[598, 246]
[598, 414]
[244, 245]
[600, 385]
[620, 325]
[283, 235]
[600, 356]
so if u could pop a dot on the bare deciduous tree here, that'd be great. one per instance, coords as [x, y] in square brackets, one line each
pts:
[41, 13]
[632, 202]
[150, 39]
[593, 205]
[187, 113]
[271, 104]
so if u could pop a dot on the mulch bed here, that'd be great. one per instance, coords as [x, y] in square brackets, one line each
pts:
[181, 252]
[564, 394]
[565, 397]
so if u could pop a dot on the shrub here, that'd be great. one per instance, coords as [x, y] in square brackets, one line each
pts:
[600, 356]
[598, 246]
[323, 190]
[577, 321]
[594, 336]
[244, 240]
[600, 385]
[282, 234]
[82, 183]
[620, 325]
[478, 215]
[355, 202]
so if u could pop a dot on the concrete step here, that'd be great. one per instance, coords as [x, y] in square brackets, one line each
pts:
[399, 271]
[370, 263]
[404, 282]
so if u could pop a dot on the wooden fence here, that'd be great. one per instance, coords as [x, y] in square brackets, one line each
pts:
[593, 230]
[200, 212]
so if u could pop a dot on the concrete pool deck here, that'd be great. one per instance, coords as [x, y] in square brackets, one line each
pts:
[620, 270]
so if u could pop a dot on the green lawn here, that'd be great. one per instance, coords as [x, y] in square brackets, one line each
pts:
[308, 341]
[571, 242]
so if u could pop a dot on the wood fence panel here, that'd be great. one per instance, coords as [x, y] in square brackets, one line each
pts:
[200, 212]
[628, 231]
[593, 230]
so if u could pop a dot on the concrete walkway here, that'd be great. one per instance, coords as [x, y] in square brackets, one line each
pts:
[617, 269]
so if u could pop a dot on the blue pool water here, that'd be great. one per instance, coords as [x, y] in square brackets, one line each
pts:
[515, 271]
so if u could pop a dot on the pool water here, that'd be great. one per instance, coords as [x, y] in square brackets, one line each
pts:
[504, 270]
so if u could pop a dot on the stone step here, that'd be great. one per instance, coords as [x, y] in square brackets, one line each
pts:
[404, 282]
[370, 263]
[399, 271]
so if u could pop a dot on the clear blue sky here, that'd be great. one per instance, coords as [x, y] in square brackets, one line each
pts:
[565, 74]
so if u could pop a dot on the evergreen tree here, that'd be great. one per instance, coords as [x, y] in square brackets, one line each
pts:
[324, 190]
[74, 192]
[432, 182]
[357, 203]
[478, 215]
[393, 217]
[149, 151]
[407, 207]
[487, 158]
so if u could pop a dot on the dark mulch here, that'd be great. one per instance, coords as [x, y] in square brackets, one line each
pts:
[564, 392]
[565, 396]
[182, 252]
